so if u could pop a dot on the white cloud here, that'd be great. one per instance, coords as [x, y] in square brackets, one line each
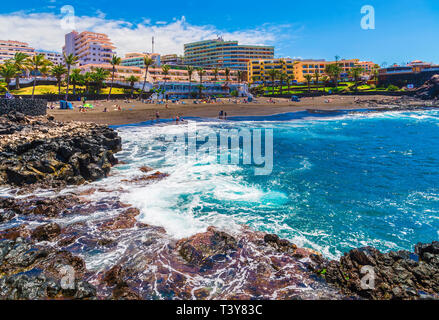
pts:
[43, 31]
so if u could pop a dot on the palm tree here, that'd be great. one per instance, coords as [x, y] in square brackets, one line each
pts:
[88, 79]
[273, 75]
[333, 71]
[115, 61]
[201, 72]
[58, 72]
[165, 70]
[99, 76]
[8, 71]
[239, 76]
[317, 77]
[215, 73]
[69, 60]
[190, 71]
[75, 78]
[325, 80]
[289, 80]
[147, 62]
[356, 74]
[34, 64]
[282, 77]
[132, 80]
[308, 79]
[227, 72]
[19, 62]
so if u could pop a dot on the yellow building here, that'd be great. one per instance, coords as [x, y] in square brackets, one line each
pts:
[258, 70]
[311, 67]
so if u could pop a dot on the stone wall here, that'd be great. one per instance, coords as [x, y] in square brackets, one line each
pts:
[28, 107]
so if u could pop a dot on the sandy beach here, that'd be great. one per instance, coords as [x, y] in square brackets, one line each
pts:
[136, 111]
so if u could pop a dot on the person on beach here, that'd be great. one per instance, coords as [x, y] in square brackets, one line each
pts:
[157, 116]
[177, 120]
[221, 113]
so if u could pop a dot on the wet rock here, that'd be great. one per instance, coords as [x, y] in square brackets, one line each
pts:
[282, 245]
[47, 153]
[206, 248]
[46, 232]
[21, 231]
[396, 275]
[430, 90]
[126, 220]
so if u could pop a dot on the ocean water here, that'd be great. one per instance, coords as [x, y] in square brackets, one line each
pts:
[339, 181]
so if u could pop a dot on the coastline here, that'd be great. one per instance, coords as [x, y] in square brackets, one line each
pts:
[203, 255]
[137, 112]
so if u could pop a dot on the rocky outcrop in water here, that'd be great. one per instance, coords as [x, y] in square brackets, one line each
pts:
[430, 90]
[394, 275]
[39, 152]
[29, 272]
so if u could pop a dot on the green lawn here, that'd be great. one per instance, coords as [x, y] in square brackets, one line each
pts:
[343, 87]
[52, 89]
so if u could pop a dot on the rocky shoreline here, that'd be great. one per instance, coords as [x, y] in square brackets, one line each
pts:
[37, 151]
[67, 246]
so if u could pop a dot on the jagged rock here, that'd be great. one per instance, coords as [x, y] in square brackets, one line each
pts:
[36, 151]
[430, 90]
[46, 232]
[397, 275]
[205, 248]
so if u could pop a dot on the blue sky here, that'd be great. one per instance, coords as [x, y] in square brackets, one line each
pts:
[405, 30]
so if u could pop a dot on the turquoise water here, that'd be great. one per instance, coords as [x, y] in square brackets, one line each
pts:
[339, 181]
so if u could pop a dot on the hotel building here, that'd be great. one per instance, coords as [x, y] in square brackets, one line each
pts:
[172, 60]
[224, 54]
[135, 59]
[89, 47]
[122, 72]
[415, 73]
[258, 70]
[54, 57]
[9, 48]
[180, 74]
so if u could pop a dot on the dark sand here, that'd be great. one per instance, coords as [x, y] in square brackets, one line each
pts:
[136, 111]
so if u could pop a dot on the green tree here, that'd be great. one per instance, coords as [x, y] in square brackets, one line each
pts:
[273, 73]
[333, 71]
[99, 75]
[115, 61]
[165, 70]
[215, 73]
[132, 80]
[19, 62]
[282, 78]
[69, 60]
[356, 73]
[35, 64]
[76, 78]
[8, 71]
[240, 74]
[147, 62]
[201, 72]
[317, 78]
[58, 72]
[227, 72]
[308, 79]
[190, 72]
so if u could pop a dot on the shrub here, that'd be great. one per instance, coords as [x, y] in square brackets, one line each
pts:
[392, 88]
